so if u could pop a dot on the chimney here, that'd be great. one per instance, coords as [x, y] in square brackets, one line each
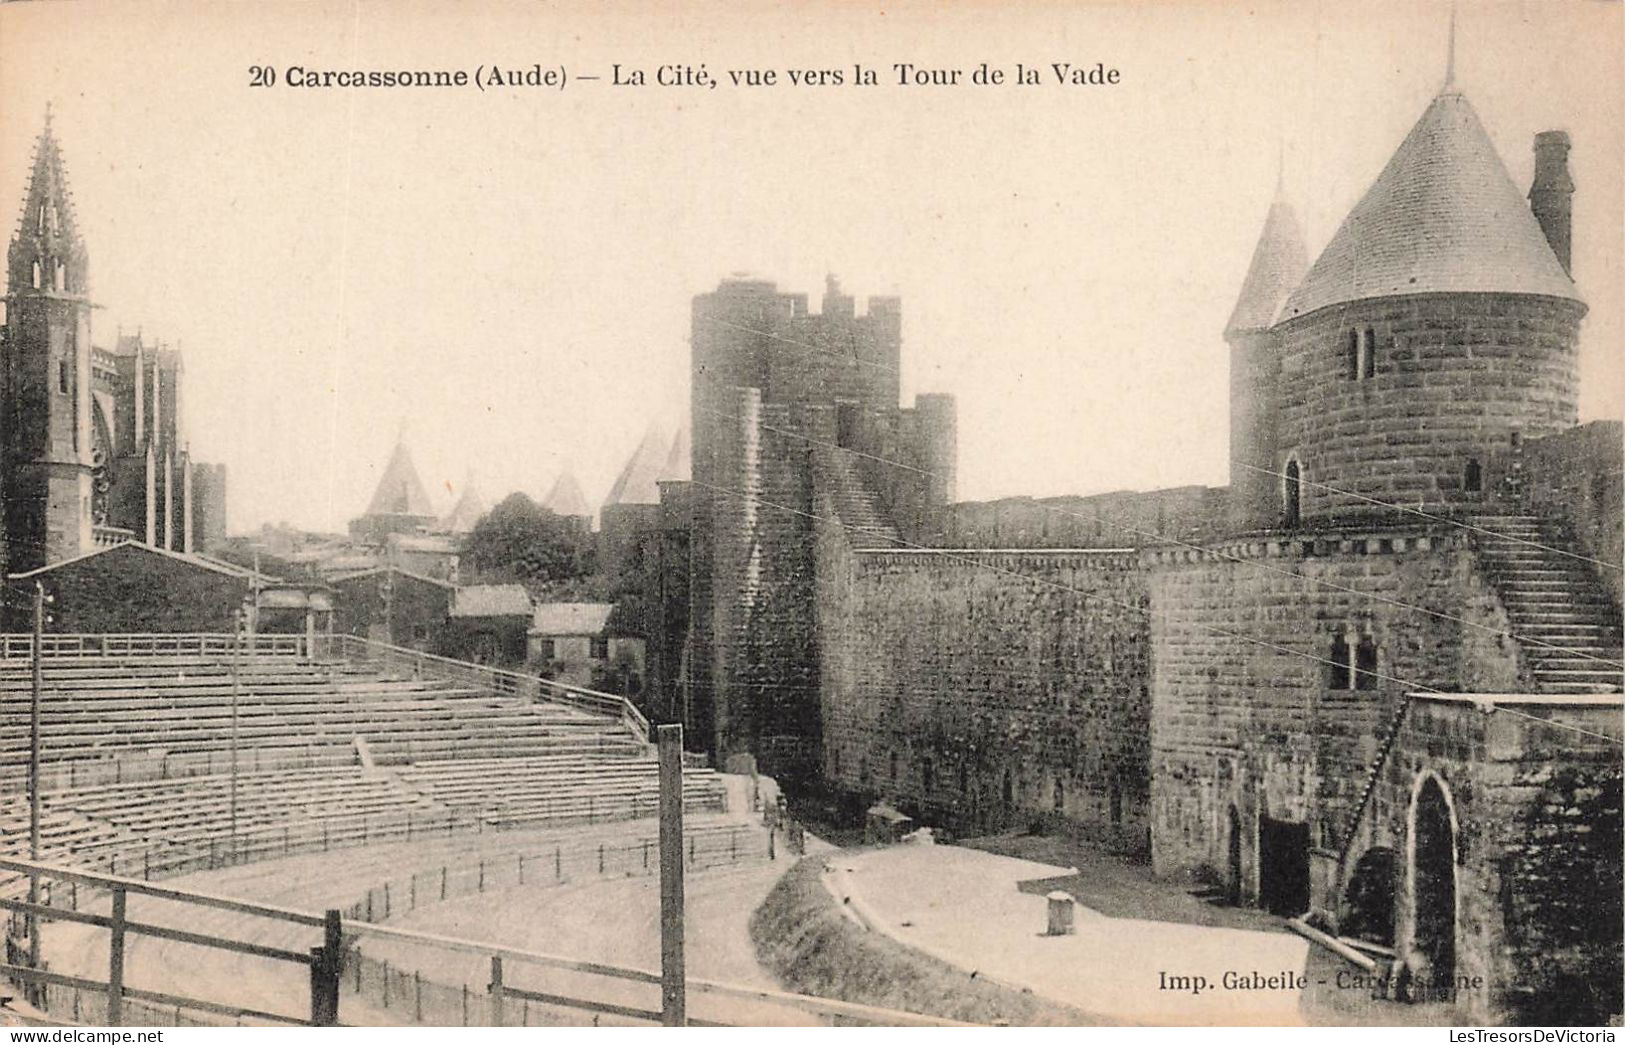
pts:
[1551, 197]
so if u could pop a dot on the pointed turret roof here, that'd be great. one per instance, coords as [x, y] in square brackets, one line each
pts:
[466, 512]
[677, 462]
[637, 482]
[1279, 262]
[400, 491]
[566, 497]
[1442, 217]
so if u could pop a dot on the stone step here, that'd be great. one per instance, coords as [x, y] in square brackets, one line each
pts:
[1579, 687]
[1542, 581]
[1582, 664]
[1577, 675]
[1588, 629]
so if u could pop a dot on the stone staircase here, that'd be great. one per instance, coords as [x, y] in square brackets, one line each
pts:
[1566, 623]
[866, 525]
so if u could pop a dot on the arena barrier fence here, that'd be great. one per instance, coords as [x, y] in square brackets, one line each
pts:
[335, 956]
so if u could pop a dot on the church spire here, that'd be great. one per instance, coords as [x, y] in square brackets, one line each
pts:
[47, 254]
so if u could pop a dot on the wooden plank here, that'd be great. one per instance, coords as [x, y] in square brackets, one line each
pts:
[162, 932]
[551, 961]
[27, 975]
[218, 1008]
[651, 1015]
[136, 885]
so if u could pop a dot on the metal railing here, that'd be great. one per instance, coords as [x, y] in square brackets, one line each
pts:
[92, 646]
[353, 649]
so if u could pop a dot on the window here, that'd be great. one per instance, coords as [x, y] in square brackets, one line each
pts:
[1008, 791]
[1116, 805]
[928, 777]
[600, 648]
[34, 272]
[59, 277]
[894, 767]
[62, 376]
[1060, 795]
[1365, 663]
[1473, 481]
[1340, 662]
[1291, 495]
[545, 649]
[1360, 355]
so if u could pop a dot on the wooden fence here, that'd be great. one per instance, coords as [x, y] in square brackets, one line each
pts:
[334, 941]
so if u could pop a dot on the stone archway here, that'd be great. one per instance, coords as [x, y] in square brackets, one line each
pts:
[1433, 883]
[1368, 900]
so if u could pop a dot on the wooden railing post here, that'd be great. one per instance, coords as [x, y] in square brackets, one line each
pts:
[673, 987]
[496, 991]
[326, 964]
[115, 960]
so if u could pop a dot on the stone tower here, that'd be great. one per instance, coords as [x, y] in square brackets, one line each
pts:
[1279, 263]
[45, 375]
[774, 384]
[1436, 330]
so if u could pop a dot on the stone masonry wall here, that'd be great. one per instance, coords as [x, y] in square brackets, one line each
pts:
[984, 689]
[1455, 375]
[1536, 811]
[1244, 712]
[1575, 476]
[1126, 519]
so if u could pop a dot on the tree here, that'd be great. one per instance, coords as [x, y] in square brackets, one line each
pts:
[519, 540]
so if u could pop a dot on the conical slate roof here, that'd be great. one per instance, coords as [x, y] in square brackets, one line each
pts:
[470, 506]
[637, 482]
[678, 462]
[1443, 216]
[1279, 262]
[566, 498]
[400, 491]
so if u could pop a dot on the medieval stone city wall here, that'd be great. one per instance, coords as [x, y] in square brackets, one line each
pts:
[1454, 377]
[1247, 710]
[1127, 519]
[988, 689]
[1574, 476]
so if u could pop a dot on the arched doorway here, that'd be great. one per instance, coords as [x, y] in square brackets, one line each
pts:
[1292, 495]
[1369, 899]
[1232, 866]
[1433, 883]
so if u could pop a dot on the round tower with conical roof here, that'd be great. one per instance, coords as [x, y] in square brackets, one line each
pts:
[1279, 262]
[1436, 329]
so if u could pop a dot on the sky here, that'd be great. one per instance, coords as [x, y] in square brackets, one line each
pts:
[504, 276]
